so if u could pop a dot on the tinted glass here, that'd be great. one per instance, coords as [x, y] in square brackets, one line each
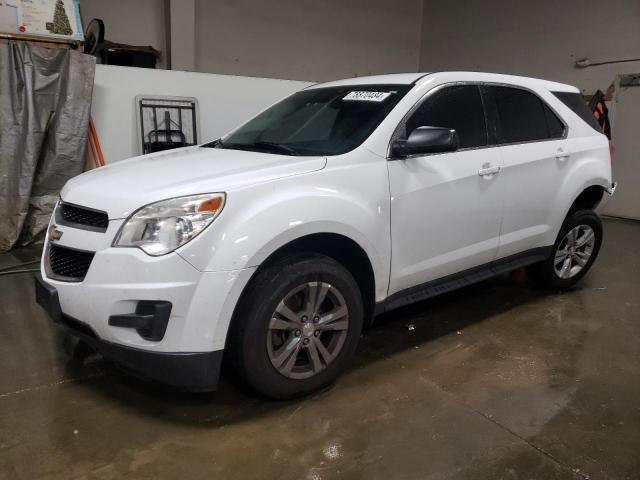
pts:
[319, 121]
[521, 115]
[575, 102]
[555, 126]
[458, 107]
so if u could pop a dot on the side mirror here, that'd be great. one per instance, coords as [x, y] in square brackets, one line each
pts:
[426, 140]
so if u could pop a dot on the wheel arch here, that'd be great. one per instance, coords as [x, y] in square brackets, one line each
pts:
[339, 247]
[586, 196]
[589, 198]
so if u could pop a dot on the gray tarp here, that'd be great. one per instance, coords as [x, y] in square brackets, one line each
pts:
[45, 100]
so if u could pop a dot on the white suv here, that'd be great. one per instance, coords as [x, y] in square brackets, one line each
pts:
[279, 241]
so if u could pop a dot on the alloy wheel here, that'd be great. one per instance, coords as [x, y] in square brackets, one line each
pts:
[307, 330]
[574, 251]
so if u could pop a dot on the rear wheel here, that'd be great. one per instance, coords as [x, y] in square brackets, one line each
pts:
[574, 252]
[297, 327]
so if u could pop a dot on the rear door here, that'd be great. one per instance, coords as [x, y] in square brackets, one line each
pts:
[535, 159]
[445, 207]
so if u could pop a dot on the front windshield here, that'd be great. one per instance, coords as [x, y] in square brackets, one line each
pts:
[319, 121]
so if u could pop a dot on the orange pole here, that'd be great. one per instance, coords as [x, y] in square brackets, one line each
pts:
[92, 149]
[94, 133]
[93, 143]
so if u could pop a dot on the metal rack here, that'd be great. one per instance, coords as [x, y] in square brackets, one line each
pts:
[166, 122]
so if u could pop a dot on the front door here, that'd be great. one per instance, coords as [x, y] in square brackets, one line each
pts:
[446, 208]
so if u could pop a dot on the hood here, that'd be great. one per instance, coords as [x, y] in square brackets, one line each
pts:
[123, 187]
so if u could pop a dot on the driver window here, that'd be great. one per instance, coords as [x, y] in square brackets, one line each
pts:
[458, 107]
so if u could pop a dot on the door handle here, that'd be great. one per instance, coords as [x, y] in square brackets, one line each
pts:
[488, 170]
[562, 156]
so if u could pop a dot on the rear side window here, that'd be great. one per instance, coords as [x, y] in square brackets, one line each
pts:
[458, 107]
[523, 117]
[575, 102]
[556, 127]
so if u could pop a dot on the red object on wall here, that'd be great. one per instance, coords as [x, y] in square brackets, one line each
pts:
[601, 112]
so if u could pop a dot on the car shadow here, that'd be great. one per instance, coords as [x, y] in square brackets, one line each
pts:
[393, 332]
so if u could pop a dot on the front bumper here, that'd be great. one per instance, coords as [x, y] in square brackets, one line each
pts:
[193, 371]
[118, 279]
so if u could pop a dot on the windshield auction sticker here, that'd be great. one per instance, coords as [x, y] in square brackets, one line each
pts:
[361, 96]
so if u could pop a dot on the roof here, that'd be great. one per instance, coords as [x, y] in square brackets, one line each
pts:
[409, 78]
[393, 79]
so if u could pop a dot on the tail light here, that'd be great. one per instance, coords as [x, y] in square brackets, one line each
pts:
[612, 150]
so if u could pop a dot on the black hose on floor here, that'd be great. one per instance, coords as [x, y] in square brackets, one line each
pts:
[4, 269]
[11, 272]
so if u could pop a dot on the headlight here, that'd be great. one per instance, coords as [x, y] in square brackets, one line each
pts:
[161, 227]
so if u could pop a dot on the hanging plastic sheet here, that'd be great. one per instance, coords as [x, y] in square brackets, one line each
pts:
[45, 101]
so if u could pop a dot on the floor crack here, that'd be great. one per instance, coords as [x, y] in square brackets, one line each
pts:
[51, 385]
[532, 445]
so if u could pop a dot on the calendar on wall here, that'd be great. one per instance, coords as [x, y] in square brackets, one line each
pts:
[59, 19]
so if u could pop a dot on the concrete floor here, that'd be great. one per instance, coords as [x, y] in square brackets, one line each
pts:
[496, 381]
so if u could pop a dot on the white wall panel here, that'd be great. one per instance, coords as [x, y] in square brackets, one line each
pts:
[625, 119]
[224, 101]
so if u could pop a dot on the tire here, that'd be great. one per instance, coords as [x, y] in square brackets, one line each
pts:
[261, 332]
[563, 269]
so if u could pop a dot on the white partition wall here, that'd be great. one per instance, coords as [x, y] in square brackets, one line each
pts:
[224, 101]
[625, 117]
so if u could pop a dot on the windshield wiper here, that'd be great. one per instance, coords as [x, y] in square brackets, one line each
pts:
[214, 144]
[274, 147]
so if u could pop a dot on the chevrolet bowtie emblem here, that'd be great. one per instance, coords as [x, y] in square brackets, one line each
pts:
[54, 233]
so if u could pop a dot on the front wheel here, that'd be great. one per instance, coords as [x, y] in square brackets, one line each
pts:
[297, 326]
[574, 252]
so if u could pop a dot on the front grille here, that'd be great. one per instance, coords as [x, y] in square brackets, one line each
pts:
[68, 264]
[82, 217]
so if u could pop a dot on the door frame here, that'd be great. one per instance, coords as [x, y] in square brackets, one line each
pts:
[490, 116]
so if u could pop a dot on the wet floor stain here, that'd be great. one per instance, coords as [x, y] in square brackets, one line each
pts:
[498, 380]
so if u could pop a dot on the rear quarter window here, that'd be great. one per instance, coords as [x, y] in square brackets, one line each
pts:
[575, 102]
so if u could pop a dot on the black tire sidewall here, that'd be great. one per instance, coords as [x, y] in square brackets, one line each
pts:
[260, 300]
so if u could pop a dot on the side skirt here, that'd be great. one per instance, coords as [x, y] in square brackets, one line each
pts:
[462, 279]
